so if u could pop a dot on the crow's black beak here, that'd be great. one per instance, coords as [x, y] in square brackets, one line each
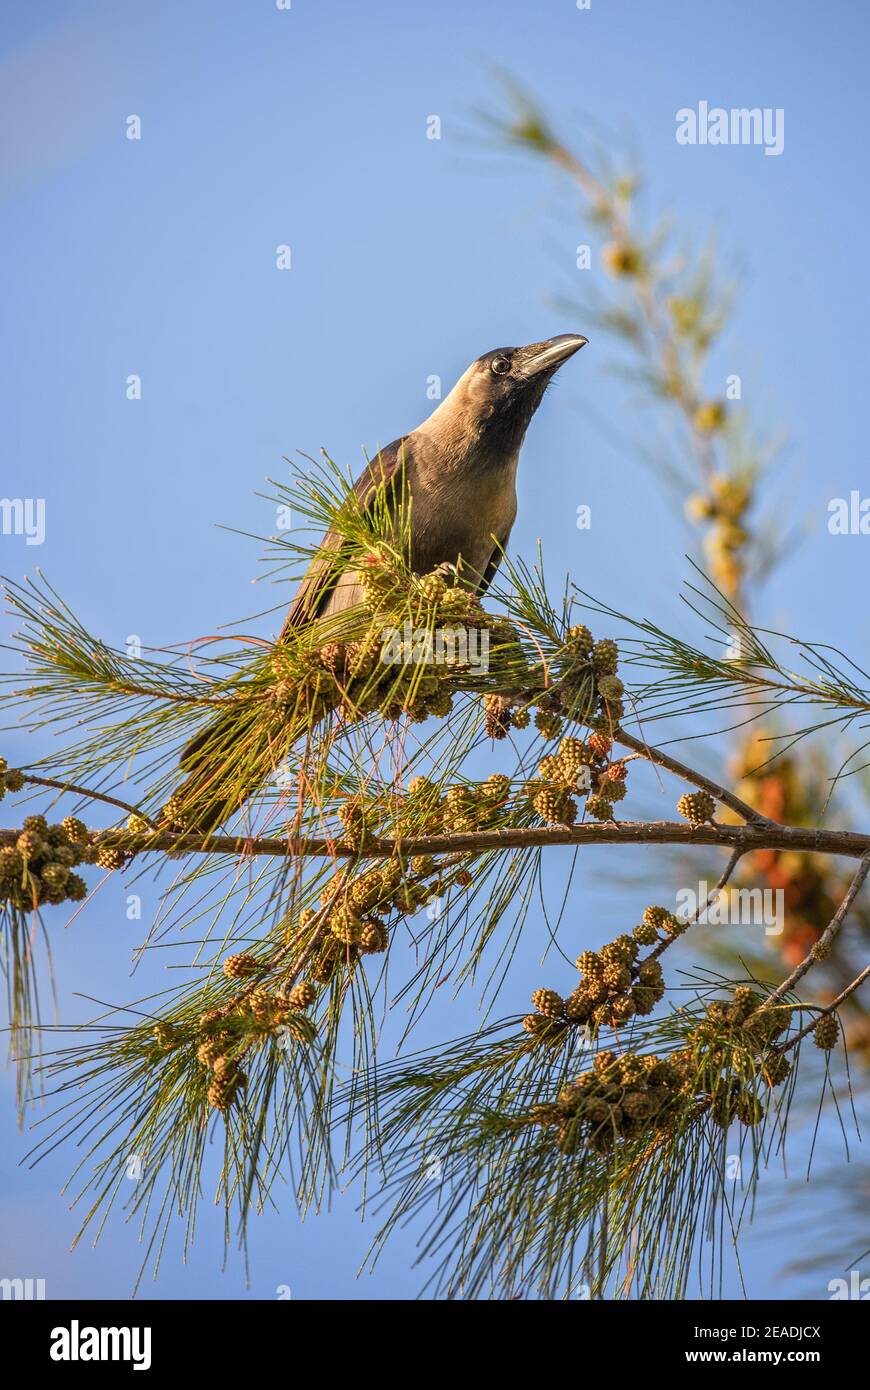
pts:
[547, 356]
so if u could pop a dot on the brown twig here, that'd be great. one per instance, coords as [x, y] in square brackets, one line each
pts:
[745, 838]
[724, 877]
[828, 1009]
[821, 948]
[688, 774]
[83, 791]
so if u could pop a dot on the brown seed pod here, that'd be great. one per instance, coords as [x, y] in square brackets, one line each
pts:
[578, 1006]
[548, 1003]
[645, 934]
[497, 788]
[263, 1005]
[29, 845]
[76, 888]
[616, 976]
[76, 831]
[548, 723]
[302, 995]
[589, 963]
[611, 689]
[226, 1084]
[345, 925]
[11, 864]
[497, 716]
[555, 806]
[110, 857]
[209, 1051]
[374, 939]
[578, 639]
[240, 967]
[826, 1032]
[172, 814]
[697, 807]
[422, 865]
[605, 657]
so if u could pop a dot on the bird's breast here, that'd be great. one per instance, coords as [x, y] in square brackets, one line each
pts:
[459, 515]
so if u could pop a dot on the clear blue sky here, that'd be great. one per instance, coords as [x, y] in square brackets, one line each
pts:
[307, 127]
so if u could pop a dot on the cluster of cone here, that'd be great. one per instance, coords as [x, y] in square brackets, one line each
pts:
[631, 1096]
[579, 768]
[36, 868]
[376, 673]
[222, 1037]
[614, 987]
[356, 910]
[586, 690]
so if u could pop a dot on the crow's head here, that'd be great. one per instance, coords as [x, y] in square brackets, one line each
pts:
[495, 399]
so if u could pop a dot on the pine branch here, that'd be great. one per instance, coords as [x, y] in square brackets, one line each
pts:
[829, 1008]
[741, 838]
[688, 774]
[722, 882]
[822, 947]
[846, 843]
[282, 935]
[87, 792]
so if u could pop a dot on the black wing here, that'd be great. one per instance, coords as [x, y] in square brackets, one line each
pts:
[322, 574]
[494, 562]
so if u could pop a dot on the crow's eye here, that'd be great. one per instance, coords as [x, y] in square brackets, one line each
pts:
[500, 365]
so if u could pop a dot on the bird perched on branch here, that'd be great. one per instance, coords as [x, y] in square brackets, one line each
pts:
[458, 470]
